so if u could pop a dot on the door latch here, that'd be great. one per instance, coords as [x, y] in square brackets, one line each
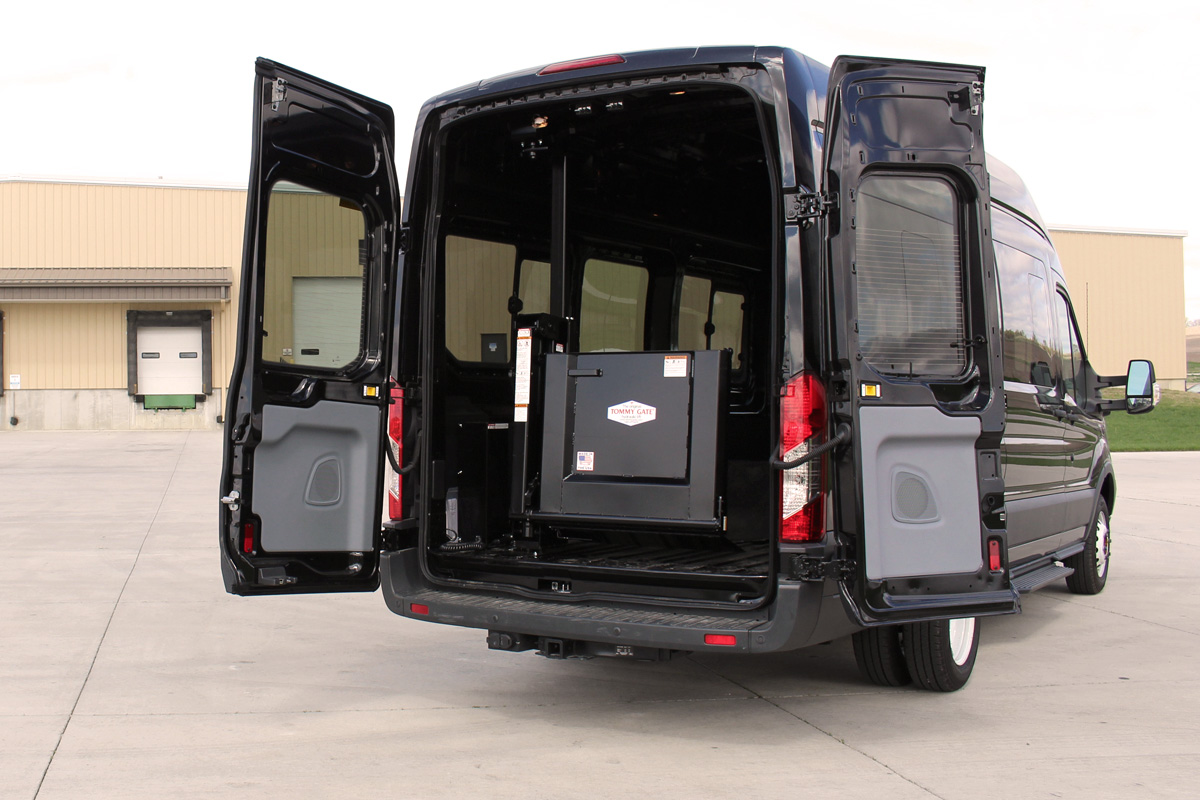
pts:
[232, 500]
[804, 207]
[278, 91]
[810, 568]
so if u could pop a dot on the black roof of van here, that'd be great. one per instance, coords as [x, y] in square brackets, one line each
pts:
[633, 62]
[1010, 191]
[1007, 188]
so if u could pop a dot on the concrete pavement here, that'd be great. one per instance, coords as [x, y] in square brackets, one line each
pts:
[126, 671]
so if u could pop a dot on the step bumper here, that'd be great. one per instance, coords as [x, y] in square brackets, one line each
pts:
[801, 614]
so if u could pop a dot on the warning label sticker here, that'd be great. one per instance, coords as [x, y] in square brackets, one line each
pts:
[585, 461]
[632, 413]
[524, 371]
[675, 366]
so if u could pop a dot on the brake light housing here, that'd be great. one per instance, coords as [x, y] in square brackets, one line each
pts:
[802, 424]
[582, 63]
[395, 441]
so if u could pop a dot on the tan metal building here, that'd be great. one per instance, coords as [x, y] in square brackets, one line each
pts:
[1128, 293]
[90, 274]
[103, 283]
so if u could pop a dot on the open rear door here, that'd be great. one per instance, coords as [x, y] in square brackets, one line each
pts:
[308, 398]
[912, 266]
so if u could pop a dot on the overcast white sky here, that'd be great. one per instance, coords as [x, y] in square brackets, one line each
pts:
[1094, 103]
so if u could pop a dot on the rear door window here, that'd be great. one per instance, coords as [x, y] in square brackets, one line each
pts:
[313, 279]
[910, 278]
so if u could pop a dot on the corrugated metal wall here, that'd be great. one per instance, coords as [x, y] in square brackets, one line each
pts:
[81, 345]
[90, 225]
[1127, 289]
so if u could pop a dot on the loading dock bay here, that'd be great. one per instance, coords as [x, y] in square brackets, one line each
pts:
[126, 671]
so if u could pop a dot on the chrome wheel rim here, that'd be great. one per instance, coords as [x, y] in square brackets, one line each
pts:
[962, 634]
[1103, 543]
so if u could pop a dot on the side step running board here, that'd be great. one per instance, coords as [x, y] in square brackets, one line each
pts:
[1040, 577]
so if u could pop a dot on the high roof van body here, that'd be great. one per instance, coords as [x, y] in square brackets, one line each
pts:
[687, 350]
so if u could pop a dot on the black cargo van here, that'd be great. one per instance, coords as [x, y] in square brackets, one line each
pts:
[686, 350]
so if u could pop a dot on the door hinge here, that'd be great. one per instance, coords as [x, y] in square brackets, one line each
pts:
[806, 206]
[403, 238]
[278, 92]
[810, 568]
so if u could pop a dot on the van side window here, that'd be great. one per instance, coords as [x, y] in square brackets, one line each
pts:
[1068, 347]
[710, 319]
[612, 312]
[910, 279]
[534, 286]
[479, 281]
[1025, 304]
[727, 325]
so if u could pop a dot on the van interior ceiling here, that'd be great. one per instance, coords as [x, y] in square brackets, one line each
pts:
[601, 234]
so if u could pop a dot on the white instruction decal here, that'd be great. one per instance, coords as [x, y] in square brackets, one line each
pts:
[524, 371]
[14, 380]
[675, 366]
[585, 461]
[632, 413]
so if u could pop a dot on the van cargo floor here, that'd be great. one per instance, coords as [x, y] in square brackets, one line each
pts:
[747, 560]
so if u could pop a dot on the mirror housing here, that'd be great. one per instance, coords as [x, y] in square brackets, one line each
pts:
[1139, 387]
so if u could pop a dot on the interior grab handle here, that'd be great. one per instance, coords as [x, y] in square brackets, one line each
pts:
[842, 436]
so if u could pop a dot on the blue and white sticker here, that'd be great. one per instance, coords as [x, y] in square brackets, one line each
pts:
[585, 461]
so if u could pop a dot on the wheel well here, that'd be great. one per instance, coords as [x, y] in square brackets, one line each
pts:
[1108, 490]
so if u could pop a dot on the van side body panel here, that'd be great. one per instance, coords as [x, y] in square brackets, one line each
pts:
[1055, 454]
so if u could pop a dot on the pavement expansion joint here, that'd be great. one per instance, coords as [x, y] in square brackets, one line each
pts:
[108, 623]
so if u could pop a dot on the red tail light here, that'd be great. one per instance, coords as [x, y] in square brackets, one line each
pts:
[582, 63]
[994, 562]
[248, 537]
[395, 434]
[723, 639]
[802, 418]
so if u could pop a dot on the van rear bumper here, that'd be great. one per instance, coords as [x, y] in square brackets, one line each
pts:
[802, 614]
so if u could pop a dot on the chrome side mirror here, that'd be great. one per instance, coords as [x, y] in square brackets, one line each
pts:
[1139, 387]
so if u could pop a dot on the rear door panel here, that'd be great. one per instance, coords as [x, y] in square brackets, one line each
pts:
[912, 267]
[307, 413]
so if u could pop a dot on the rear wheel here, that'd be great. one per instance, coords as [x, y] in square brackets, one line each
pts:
[880, 656]
[941, 654]
[1091, 565]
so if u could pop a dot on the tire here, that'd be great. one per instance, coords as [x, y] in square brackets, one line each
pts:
[941, 654]
[880, 656]
[1091, 564]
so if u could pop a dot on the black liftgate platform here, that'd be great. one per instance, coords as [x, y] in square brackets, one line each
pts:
[634, 439]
